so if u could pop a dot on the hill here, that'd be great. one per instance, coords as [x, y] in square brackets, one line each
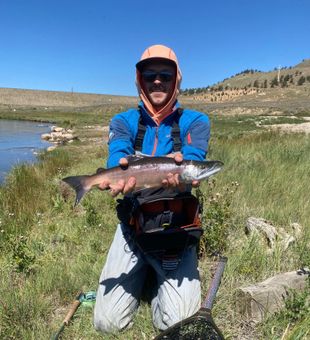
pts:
[252, 91]
[17, 98]
[284, 77]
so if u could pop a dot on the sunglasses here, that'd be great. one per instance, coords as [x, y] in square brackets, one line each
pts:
[164, 76]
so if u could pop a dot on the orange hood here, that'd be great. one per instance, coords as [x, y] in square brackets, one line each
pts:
[158, 52]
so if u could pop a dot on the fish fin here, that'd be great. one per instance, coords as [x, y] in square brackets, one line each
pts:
[133, 158]
[100, 170]
[77, 183]
[137, 156]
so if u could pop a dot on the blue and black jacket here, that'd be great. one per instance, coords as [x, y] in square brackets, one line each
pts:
[158, 141]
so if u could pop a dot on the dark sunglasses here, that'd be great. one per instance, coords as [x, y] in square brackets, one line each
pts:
[150, 76]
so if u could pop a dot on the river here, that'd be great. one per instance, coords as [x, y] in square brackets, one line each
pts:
[19, 143]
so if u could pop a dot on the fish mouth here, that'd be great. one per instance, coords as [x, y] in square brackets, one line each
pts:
[209, 171]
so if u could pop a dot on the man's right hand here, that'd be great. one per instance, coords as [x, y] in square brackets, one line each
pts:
[122, 186]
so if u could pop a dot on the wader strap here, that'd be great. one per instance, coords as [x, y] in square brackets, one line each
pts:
[175, 133]
[140, 135]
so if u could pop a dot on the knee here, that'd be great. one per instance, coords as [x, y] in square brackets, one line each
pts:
[107, 322]
[167, 312]
[111, 316]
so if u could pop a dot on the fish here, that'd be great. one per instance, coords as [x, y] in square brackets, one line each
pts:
[148, 171]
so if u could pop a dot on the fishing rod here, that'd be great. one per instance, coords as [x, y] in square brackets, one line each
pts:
[82, 298]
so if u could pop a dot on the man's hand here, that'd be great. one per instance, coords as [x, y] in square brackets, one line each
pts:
[173, 179]
[122, 186]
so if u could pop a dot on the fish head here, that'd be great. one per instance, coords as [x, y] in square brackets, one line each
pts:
[201, 170]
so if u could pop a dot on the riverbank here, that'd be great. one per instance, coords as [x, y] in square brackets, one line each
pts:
[50, 251]
[20, 142]
[67, 116]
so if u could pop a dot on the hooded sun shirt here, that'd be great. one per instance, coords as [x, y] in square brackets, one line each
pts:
[160, 53]
[157, 141]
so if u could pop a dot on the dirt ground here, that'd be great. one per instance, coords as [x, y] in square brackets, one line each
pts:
[293, 128]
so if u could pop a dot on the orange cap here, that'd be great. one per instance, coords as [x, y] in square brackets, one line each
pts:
[157, 52]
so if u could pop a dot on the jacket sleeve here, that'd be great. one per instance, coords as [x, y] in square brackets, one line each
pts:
[196, 139]
[120, 141]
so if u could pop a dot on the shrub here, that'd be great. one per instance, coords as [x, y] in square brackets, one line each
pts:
[216, 214]
[23, 257]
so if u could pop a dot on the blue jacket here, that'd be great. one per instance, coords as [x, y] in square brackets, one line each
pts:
[194, 134]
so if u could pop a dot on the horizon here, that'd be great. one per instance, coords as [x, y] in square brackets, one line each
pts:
[93, 48]
[182, 89]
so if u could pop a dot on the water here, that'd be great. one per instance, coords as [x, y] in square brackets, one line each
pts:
[19, 143]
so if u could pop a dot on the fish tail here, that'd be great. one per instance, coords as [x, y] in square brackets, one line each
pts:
[79, 185]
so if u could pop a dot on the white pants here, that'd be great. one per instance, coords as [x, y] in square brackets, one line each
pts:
[177, 295]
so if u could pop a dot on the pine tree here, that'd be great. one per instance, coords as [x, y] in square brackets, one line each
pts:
[265, 83]
[274, 82]
[301, 80]
[256, 83]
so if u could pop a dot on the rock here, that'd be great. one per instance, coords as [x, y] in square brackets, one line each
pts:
[261, 226]
[57, 129]
[59, 135]
[285, 239]
[68, 136]
[265, 298]
[296, 229]
[46, 136]
[51, 148]
[272, 234]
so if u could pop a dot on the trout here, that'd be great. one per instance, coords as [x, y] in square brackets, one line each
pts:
[148, 171]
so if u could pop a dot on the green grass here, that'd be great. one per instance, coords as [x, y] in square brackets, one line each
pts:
[66, 117]
[50, 251]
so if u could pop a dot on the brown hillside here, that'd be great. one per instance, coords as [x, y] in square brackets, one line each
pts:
[56, 99]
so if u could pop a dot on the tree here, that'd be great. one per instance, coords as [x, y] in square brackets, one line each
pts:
[301, 80]
[265, 83]
[256, 83]
[274, 82]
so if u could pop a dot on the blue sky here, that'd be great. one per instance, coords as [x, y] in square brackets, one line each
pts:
[92, 46]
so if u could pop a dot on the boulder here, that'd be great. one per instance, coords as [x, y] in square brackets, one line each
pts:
[263, 227]
[265, 298]
[271, 234]
[59, 135]
[46, 136]
[57, 129]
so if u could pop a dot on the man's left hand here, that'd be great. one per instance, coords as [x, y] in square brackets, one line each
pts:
[172, 180]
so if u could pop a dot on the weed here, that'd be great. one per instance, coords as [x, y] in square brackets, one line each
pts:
[92, 216]
[23, 256]
[297, 304]
[216, 214]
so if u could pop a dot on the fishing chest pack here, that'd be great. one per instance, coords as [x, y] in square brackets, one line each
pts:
[163, 222]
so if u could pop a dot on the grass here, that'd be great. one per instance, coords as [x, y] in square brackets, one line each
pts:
[50, 251]
[66, 117]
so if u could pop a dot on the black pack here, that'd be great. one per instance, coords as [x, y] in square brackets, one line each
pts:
[163, 221]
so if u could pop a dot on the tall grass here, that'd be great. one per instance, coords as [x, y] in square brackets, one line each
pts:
[50, 251]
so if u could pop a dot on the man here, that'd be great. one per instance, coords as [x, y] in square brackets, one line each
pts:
[177, 286]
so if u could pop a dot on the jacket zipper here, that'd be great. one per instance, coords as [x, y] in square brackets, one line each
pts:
[155, 142]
